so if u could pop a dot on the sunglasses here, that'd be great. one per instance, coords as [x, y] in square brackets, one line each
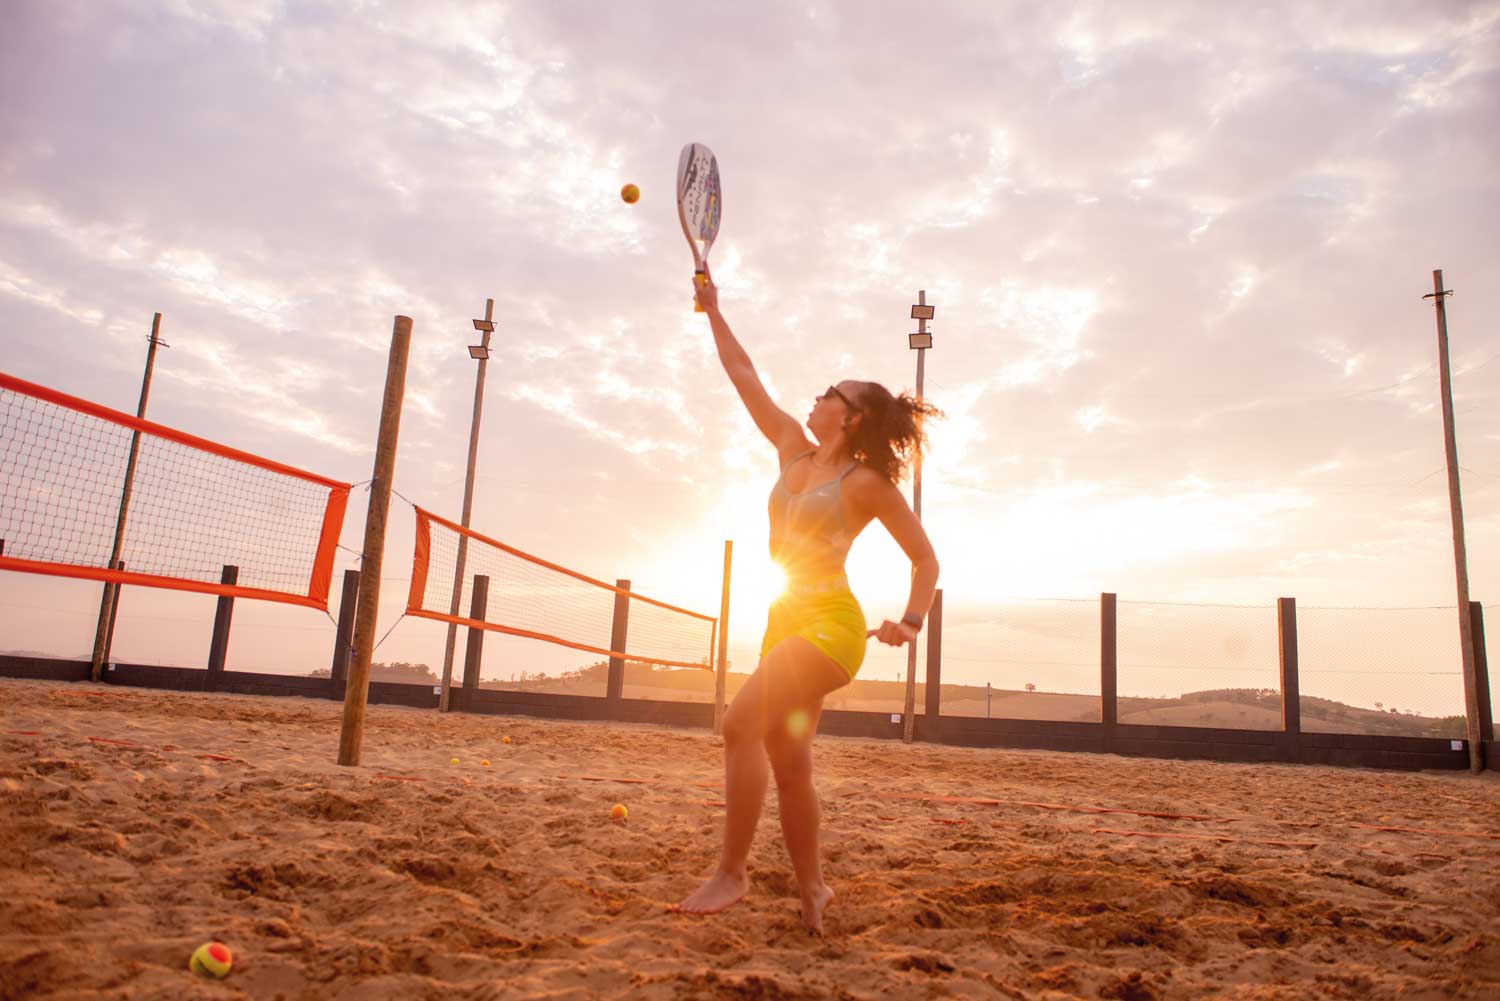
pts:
[834, 391]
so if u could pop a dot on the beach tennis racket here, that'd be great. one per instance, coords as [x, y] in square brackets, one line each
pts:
[700, 205]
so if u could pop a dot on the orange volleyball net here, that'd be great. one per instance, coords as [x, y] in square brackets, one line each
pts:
[531, 597]
[195, 505]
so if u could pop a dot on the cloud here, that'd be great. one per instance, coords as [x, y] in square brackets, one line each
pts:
[1176, 253]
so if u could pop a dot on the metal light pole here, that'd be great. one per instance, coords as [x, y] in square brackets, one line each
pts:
[918, 342]
[481, 353]
[104, 632]
[1456, 511]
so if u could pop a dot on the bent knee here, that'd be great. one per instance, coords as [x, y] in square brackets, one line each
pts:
[741, 728]
[791, 760]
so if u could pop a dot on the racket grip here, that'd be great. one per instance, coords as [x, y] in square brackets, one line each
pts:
[698, 278]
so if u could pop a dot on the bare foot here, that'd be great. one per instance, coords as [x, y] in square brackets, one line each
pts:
[717, 892]
[812, 908]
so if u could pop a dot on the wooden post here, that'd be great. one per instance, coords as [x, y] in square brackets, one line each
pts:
[356, 693]
[487, 327]
[1439, 296]
[343, 639]
[474, 648]
[114, 611]
[1291, 690]
[1481, 674]
[615, 685]
[1109, 665]
[721, 670]
[934, 700]
[111, 588]
[218, 647]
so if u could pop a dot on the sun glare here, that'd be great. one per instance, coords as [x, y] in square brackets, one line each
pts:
[758, 582]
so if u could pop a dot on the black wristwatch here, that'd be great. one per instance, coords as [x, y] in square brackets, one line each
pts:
[912, 619]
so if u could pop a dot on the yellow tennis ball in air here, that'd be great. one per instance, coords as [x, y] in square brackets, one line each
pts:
[211, 959]
[618, 812]
[631, 194]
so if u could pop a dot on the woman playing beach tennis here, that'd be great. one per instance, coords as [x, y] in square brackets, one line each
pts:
[830, 488]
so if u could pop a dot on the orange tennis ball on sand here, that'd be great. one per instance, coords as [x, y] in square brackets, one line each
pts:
[485, 763]
[211, 959]
[631, 194]
[505, 740]
[618, 812]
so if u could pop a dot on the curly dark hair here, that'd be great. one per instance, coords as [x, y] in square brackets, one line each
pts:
[890, 435]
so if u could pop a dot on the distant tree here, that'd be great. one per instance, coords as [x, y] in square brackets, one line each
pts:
[1030, 687]
[1379, 706]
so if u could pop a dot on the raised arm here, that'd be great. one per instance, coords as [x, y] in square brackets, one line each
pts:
[779, 427]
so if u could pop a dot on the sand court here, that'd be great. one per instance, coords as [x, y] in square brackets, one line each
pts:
[141, 823]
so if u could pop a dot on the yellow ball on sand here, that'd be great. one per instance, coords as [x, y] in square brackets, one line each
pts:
[618, 812]
[211, 959]
[630, 193]
[452, 761]
[485, 763]
[505, 740]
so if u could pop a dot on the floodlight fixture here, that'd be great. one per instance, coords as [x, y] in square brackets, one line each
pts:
[487, 326]
[479, 352]
[918, 341]
[921, 312]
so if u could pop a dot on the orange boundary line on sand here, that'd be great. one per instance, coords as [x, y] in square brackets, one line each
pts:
[1428, 830]
[981, 801]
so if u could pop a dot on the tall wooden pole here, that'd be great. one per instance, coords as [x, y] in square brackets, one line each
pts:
[107, 603]
[1438, 295]
[357, 690]
[721, 671]
[463, 540]
[908, 718]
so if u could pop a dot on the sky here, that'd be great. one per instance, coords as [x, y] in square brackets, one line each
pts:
[1177, 255]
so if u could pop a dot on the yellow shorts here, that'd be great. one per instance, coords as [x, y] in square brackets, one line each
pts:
[830, 619]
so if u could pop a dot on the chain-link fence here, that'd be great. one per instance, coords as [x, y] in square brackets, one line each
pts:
[1198, 665]
[1021, 659]
[1390, 671]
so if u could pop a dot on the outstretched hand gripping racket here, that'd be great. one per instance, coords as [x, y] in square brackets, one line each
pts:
[700, 205]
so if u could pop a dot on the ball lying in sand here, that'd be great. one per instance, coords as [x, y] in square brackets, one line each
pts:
[505, 740]
[452, 761]
[211, 959]
[485, 763]
[631, 194]
[618, 812]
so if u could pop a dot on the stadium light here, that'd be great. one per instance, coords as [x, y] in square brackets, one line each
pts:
[922, 339]
[480, 353]
[919, 342]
